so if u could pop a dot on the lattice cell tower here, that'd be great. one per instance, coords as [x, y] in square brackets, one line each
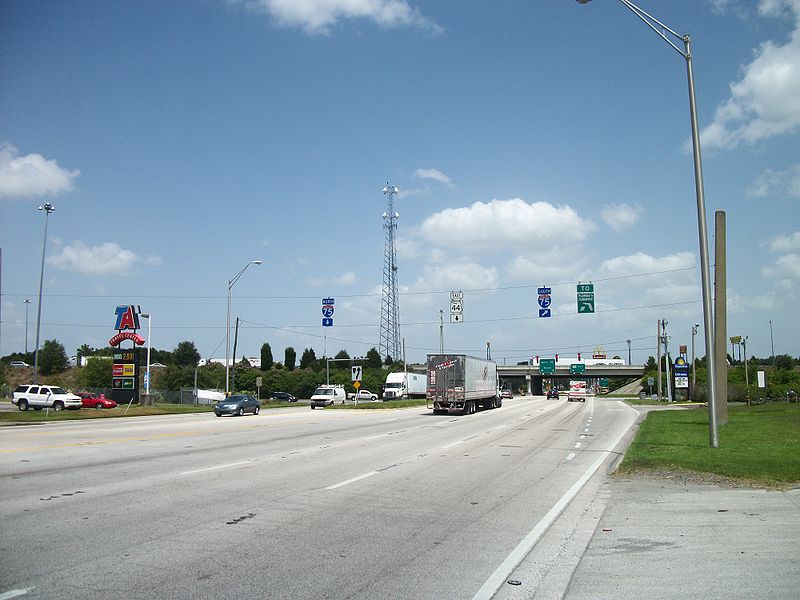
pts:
[389, 344]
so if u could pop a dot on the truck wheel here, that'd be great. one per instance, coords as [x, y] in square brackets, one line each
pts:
[313, 407]
[58, 405]
[22, 405]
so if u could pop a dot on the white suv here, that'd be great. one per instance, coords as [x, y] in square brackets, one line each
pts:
[43, 396]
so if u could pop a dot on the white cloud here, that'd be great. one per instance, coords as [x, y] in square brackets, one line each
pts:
[766, 101]
[106, 259]
[407, 248]
[621, 217]
[319, 16]
[434, 174]
[786, 243]
[455, 275]
[772, 182]
[645, 263]
[502, 224]
[785, 267]
[346, 278]
[31, 175]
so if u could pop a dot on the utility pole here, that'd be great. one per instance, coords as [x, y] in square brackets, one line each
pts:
[629, 353]
[695, 327]
[441, 332]
[744, 346]
[666, 360]
[658, 360]
[772, 343]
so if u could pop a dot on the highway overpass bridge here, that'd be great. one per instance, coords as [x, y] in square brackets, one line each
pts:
[529, 377]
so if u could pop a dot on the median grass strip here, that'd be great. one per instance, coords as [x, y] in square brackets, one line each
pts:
[380, 405]
[759, 444]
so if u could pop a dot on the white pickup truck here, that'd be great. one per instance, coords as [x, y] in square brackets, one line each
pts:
[362, 396]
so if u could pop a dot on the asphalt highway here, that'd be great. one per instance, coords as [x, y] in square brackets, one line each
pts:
[294, 503]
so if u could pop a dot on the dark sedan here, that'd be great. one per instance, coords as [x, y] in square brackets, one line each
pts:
[237, 405]
[552, 393]
[283, 397]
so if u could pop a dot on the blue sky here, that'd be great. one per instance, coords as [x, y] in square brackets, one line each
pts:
[533, 144]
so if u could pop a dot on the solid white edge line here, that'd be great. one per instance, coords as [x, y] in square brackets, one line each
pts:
[570, 456]
[495, 581]
[451, 445]
[349, 481]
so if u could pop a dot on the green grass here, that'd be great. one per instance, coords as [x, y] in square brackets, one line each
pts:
[759, 444]
[36, 416]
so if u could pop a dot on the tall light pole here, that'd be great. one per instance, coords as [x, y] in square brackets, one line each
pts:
[147, 372]
[47, 208]
[231, 283]
[772, 343]
[746, 376]
[705, 270]
[695, 327]
[629, 352]
[27, 302]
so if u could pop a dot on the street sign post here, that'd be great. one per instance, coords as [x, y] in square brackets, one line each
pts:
[356, 372]
[585, 298]
[544, 299]
[457, 307]
[547, 366]
[327, 312]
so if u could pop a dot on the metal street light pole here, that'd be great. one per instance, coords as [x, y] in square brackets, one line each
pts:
[705, 270]
[47, 208]
[147, 372]
[629, 352]
[27, 302]
[231, 283]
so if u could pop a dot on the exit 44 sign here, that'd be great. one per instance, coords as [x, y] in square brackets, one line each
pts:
[585, 298]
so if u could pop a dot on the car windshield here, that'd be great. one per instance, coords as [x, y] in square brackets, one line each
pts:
[323, 392]
[236, 399]
[391, 386]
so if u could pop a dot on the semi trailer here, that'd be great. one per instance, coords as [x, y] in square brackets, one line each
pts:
[457, 382]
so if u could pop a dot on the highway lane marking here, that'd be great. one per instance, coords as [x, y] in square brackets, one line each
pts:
[512, 561]
[451, 445]
[570, 456]
[577, 444]
[215, 467]
[349, 481]
[14, 593]
[587, 429]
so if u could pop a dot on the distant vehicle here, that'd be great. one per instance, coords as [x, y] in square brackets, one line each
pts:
[328, 395]
[506, 393]
[552, 393]
[18, 364]
[237, 405]
[577, 391]
[363, 395]
[38, 397]
[283, 397]
[461, 382]
[90, 400]
[404, 385]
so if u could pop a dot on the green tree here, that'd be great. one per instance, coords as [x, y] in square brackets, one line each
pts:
[784, 362]
[289, 358]
[52, 358]
[309, 359]
[651, 364]
[96, 373]
[266, 357]
[185, 355]
[373, 359]
[341, 365]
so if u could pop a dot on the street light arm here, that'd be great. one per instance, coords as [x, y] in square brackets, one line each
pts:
[651, 22]
[233, 281]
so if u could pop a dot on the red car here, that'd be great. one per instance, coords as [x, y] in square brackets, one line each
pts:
[90, 400]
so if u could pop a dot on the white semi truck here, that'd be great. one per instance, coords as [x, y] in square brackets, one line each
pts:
[457, 382]
[401, 386]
